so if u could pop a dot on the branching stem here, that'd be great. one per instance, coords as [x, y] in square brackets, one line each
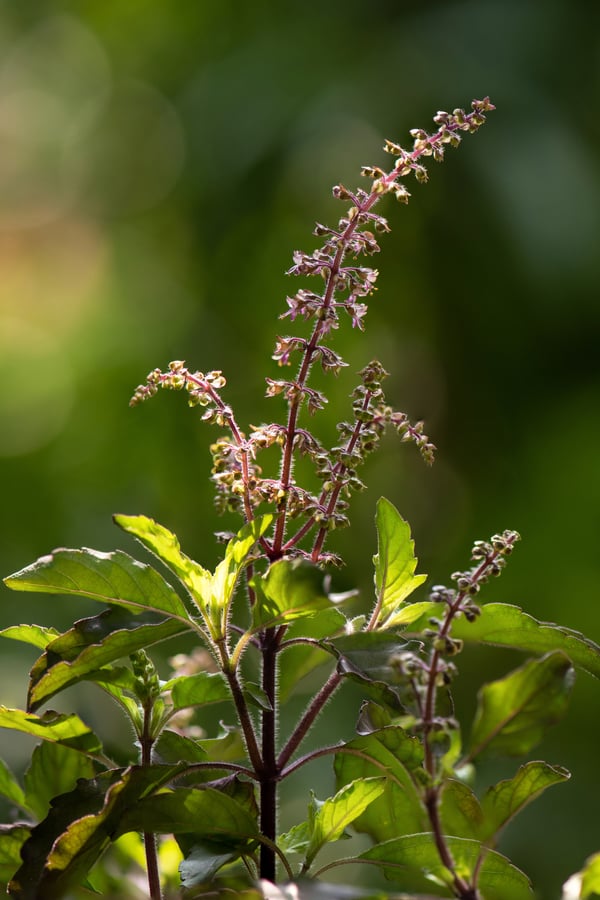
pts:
[306, 722]
[150, 848]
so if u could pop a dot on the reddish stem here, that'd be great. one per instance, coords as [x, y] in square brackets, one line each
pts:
[320, 327]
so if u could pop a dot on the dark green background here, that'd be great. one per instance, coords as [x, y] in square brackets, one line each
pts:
[158, 164]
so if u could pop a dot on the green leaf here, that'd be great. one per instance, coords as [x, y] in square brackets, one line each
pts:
[113, 578]
[420, 611]
[453, 754]
[10, 787]
[52, 726]
[12, 838]
[504, 800]
[395, 754]
[87, 798]
[296, 840]
[332, 817]
[236, 554]
[37, 635]
[228, 746]
[256, 696]
[78, 829]
[206, 813]
[91, 644]
[590, 877]
[291, 589]
[514, 712]
[460, 810]
[416, 855]
[395, 564]
[122, 685]
[204, 861]
[212, 594]
[165, 546]
[504, 625]
[370, 657]
[172, 747]
[197, 690]
[53, 770]
[585, 883]
[372, 717]
[301, 659]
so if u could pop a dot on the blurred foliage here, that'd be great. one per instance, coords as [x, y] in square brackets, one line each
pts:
[159, 163]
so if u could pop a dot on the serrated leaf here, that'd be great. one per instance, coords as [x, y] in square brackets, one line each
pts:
[460, 810]
[301, 659]
[296, 840]
[412, 856]
[237, 552]
[79, 828]
[372, 717]
[395, 565]
[514, 712]
[420, 611]
[199, 689]
[205, 812]
[165, 546]
[228, 746]
[172, 747]
[395, 754]
[212, 593]
[52, 726]
[87, 798]
[370, 657]
[122, 685]
[337, 813]
[504, 625]
[37, 635]
[291, 589]
[53, 770]
[504, 800]
[113, 578]
[91, 644]
[203, 862]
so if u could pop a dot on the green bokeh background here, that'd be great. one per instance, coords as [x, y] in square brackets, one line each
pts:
[158, 164]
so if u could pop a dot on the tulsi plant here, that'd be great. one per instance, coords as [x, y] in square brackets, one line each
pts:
[198, 813]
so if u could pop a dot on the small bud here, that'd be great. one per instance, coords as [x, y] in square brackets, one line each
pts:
[391, 147]
[420, 174]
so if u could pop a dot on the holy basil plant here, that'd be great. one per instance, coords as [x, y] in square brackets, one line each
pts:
[198, 812]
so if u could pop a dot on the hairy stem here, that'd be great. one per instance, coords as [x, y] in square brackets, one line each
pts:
[285, 474]
[241, 708]
[461, 888]
[453, 608]
[150, 849]
[308, 719]
[269, 776]
[362, 209]
[329, 498]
